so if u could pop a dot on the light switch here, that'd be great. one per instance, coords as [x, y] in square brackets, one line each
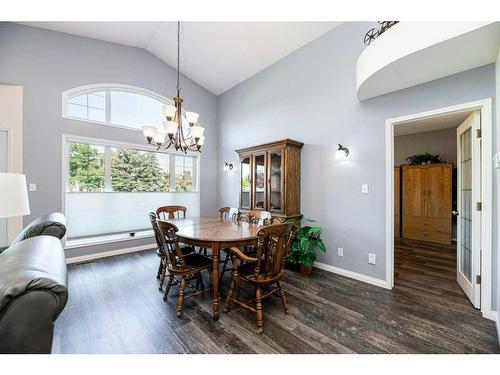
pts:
[32, 187]
[496, 160]
[340, 252]
[364, 188]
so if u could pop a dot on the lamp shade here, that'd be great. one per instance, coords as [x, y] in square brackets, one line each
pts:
[159, 138]
[192, 117]
[171, 127]
[13, 195]
[197, 131]
[169, 110]
[149, 131]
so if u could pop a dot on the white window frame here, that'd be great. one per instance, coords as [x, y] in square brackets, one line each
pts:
[107, 87]
[103, 239]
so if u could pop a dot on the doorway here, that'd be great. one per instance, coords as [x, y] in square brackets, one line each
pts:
[445, 208]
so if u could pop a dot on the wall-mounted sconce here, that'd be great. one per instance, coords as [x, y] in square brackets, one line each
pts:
[228, 166]
[342, 152]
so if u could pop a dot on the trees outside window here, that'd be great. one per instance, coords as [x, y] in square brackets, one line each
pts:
[133, 170]
[86, 167]
[130, 170]
[183, 173]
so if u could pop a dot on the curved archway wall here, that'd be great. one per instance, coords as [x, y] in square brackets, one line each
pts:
[310, 96]
[47, 63]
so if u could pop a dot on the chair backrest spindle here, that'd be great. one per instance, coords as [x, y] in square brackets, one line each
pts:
[273, 244]
[170, 243]
[153, 218]
[261, 218]
[171, 212]
[229, 213]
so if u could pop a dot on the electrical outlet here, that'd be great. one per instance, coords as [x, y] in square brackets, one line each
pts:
[371, 258]
[340, 252]
[364, 188]
[32, 187]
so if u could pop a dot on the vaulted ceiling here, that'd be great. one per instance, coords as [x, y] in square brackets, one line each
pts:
[216, 55]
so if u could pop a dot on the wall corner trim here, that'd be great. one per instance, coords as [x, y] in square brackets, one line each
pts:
[106, 254]
[353, 275]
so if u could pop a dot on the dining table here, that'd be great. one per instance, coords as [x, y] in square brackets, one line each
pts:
[216, 234]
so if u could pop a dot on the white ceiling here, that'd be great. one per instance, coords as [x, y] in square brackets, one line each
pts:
[216, 55]
[450, 120]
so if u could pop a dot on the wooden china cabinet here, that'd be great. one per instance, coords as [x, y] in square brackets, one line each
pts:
[270, 178]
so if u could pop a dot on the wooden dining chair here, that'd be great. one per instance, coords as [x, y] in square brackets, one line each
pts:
[262, 270]
[257, 217]
[181, 266]
[160, 251]
[171, 212]
[227, 214]
[261, 218]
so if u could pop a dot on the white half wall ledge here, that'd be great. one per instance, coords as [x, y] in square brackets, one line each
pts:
[412, 53]
[107, 254]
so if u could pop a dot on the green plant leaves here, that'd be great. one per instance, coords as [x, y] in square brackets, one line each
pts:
[424, 158]
[306, 242]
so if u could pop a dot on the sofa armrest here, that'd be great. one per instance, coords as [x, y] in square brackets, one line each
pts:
[53, 224]
[27, 325]
[33, 292]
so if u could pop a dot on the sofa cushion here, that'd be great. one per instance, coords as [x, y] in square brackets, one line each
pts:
[53, 224]
[37, 263]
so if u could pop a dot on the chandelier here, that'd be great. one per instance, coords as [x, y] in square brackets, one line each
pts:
[182, 128]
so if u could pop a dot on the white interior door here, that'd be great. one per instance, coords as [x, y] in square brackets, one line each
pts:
[4, 152]
[469, 214]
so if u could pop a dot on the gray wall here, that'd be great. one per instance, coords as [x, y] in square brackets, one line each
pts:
[310, 96]
[438, 142]
[496, 192]
[47, 63]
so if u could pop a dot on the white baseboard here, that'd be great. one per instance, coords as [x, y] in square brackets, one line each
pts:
[352, 275]
[496, 318]
[106, 254]
[489, 314]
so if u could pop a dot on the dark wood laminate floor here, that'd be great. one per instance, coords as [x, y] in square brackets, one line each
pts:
[115, 307]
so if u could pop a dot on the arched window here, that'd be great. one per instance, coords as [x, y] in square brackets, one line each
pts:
[115, 105]
[109, 186]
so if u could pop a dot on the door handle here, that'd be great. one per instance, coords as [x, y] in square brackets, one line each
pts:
[455, 213]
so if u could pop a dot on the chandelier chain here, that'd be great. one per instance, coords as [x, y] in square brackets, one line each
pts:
[178, 56]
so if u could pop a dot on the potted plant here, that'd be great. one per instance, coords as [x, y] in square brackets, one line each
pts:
[306, 242]
[425, 158]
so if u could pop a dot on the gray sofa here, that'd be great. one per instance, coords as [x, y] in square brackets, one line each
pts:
[33, 286]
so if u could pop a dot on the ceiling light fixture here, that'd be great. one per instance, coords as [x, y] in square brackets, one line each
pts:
[181, 130]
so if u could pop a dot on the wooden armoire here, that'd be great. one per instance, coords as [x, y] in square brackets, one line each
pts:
[270, 178]
[427, 202]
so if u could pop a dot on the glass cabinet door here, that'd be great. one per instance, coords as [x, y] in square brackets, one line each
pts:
[246, 183]
[275, 195]
[259, 179]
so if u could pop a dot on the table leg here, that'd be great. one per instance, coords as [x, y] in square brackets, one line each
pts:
[215, 280]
